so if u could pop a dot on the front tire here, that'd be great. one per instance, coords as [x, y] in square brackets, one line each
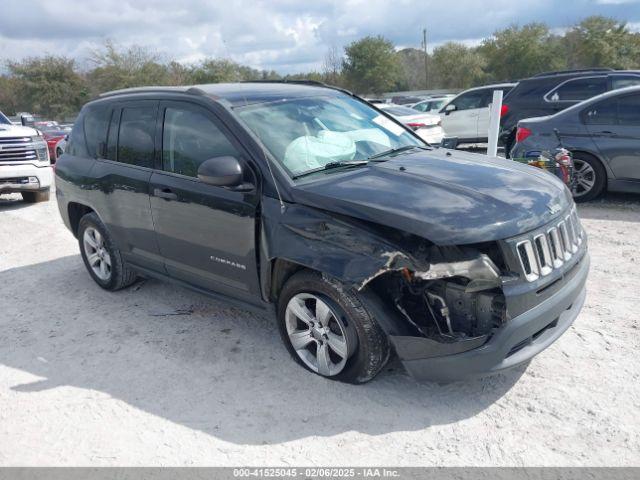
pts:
[327, 330]
[101, 256]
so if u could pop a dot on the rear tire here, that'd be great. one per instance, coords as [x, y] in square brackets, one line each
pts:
[363, 349]
[101, 256]
[35, 197]
[590, 178]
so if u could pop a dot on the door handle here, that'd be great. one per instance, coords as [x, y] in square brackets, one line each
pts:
[609, 134]
[165, 193]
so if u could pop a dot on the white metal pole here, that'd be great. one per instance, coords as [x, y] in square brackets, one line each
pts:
[494, 123]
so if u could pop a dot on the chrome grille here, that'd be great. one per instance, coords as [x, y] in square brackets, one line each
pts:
[18, 149]
[544, 251]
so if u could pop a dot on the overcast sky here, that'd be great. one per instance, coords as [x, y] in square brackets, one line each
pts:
[284, 35]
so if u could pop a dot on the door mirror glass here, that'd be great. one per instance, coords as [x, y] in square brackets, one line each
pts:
[221, 171]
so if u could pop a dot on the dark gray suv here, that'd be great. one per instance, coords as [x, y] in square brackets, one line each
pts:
[308, 203]
[603, 133]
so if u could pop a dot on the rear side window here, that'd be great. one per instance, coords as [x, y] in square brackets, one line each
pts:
[578, 89]
[136, 136]
[629, 110]
[189, 138]
[96, 122]
[602, 113]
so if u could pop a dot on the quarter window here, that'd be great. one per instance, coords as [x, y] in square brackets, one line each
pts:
[136, 136]
[189, 138]
[96, 121]
[578, 89]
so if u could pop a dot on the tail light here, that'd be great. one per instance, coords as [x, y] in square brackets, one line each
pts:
[504, 110]
[415, 126]
[522, 134]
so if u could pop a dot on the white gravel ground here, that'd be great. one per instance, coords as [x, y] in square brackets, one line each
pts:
[94, 378]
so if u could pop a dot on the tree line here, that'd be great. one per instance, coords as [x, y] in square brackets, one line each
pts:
[56, 87]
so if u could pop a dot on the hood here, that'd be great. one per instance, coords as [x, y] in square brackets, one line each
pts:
[16, 131]
[447, 197]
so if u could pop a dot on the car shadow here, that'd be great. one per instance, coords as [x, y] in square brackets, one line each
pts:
[190, 360]
[612, 206]
[12, 202]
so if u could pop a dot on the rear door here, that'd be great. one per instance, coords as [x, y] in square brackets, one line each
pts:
[485, 112]
[122, 171]
[206, 234]
[615, 126]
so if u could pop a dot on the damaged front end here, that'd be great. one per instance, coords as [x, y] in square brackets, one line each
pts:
[450, 306]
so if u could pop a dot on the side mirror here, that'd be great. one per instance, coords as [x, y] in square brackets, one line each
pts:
[221, 171]
[449, 108]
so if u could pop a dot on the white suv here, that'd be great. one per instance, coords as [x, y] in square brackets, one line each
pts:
[24, 162]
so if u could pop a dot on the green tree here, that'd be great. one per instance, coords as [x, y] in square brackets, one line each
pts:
[48, 85]
[8, 95]
[519, 52]
[457, 66]
[371, 65]
[602, 42]
[117, 68]
[412, 69]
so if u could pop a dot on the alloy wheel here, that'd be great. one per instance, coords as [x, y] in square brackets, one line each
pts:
[584, 178]
[317, 334]
[97, 255]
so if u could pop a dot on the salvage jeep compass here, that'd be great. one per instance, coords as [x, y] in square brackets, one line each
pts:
[306, 201]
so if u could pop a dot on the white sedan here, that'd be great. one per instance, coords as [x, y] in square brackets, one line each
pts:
[428, 126]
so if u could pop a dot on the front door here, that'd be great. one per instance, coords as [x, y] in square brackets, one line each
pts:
[614, 125]
[463, 121]
[206, 234]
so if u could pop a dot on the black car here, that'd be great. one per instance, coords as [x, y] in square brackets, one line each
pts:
[308, 202]
[603, 134]
[552, 92]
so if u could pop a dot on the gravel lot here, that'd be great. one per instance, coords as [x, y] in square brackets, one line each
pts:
[158, 375]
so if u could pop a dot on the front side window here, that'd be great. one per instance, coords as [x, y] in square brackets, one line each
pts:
[578, 89]
[470, 100]
[189, 138]
[136, 136]
[305, 134]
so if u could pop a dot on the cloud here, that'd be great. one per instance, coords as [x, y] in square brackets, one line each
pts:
[285, 35]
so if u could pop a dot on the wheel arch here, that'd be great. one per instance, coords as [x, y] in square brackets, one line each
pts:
[595, 156]
[76, 211]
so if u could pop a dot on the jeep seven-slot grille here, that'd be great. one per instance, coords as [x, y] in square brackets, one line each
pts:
[546, 250]
[17, 149]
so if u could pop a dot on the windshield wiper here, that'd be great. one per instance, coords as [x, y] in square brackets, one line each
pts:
[396, 150]
[332, 165]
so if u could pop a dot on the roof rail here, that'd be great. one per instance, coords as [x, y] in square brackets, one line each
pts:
[316, 83]
[155, 89]
[579, 70]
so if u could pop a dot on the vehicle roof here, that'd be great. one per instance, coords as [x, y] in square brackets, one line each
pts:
[493, 85]
[238, 93]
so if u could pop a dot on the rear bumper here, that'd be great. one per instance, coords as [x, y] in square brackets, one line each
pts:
[25, 177]
[517, 342]
[432, 136]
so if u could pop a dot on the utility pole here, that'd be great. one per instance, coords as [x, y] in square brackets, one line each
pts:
[426, 59]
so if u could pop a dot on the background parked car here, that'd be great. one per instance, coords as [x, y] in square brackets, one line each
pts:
[549, 93]
[54, 134]
[426, 125]
[433, 104]
[603, 134]
[467, 115]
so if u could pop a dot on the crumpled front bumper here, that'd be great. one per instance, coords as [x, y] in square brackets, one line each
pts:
[515, 343]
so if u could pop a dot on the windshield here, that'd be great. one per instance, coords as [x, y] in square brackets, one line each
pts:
[306, 134]
[4, 119]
